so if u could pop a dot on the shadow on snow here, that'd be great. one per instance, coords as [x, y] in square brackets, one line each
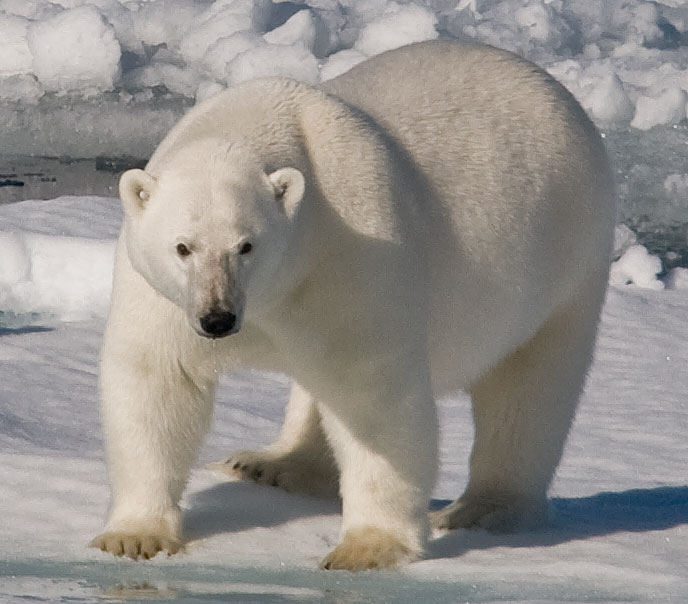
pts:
[578, 518]
[236, 506]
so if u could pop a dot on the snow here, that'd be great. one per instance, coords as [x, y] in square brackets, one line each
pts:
[625, 60]
[76, 50]
[87, 78]
[667, 108]
[620, 503]
[397, 26]
[637, 266]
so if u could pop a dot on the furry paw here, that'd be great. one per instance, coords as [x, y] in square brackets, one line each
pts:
[293, 472]
[366, 549]
[494, 514]
[136, 546]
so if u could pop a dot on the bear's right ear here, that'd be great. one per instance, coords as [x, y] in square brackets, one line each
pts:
[135, 189]
[289, 187]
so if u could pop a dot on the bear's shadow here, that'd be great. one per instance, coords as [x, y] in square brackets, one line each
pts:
[235, 506]
[579, 518]
[231, 507]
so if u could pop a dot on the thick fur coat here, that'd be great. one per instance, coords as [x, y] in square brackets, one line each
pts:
[439, 218]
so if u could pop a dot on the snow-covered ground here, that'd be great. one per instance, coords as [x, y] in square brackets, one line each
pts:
[107, 78]
[620, 501]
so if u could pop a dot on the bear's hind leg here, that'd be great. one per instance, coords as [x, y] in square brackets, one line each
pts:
[523, 409]
[299, 461]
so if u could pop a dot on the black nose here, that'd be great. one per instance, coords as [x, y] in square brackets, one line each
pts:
[218, 324]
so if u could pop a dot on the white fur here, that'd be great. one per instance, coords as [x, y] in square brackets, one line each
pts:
[439, 218]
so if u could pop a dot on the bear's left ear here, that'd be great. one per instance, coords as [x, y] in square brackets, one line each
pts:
[289, 186]
[135, 188]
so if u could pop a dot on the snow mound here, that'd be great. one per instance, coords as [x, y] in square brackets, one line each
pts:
[666, 108]
[56, 258]
[397, 26]
[637, 266]
[76, 50]
[67, 277]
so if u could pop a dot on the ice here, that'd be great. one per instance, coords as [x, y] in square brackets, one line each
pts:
[340, 63]
[608, 101]
[212, 27]
[16, 58]
[537, 19]
[619, 502]
[396, 26]
[220, 55]
[667, 108]
[64, 277]
[624, 238]
[300, 27]
[121, 73]
[627, 53]
[75, 51]
[164, 21]
[175, 78]
[637, 266]
[86, 78]
[21, 89]
[266, 60]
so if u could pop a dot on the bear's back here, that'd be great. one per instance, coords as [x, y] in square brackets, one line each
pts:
[521, 177]
[506, 147]
[481, 93]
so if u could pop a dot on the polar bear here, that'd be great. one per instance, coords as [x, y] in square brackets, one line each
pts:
[437, 219]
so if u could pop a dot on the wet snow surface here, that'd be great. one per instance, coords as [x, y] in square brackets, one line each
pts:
[93, 80]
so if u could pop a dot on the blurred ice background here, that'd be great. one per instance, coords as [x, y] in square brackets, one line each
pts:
[102, 80]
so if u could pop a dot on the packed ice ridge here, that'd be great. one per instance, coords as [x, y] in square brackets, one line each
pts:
[625, 60]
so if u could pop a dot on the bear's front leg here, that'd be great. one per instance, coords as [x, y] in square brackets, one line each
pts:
[154, 415]
[386, 448]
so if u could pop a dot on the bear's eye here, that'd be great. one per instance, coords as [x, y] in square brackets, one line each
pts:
[182, 250]
[245, 248]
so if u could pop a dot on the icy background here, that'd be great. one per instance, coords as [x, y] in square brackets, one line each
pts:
[117, 73]
[102, 81]
[107, 78]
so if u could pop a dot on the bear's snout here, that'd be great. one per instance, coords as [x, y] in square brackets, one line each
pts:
[217, 324]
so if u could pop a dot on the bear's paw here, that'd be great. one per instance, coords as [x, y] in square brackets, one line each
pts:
[367, 548]
[136, 546]
[292, 471]
[493, 514]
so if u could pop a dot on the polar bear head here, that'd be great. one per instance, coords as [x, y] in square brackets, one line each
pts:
[210, 230]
